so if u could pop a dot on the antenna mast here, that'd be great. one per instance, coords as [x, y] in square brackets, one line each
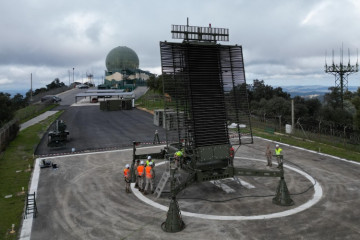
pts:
[341, 73]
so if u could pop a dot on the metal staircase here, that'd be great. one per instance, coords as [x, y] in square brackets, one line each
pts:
[31, 207]
[163, 181]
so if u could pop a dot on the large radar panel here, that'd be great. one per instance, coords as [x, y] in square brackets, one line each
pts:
[206, 105]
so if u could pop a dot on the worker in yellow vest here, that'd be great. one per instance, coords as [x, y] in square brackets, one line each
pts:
[140, 176]
[127, 178]
[149, 159]
[178, 157]
[278, 154]
[150, 176]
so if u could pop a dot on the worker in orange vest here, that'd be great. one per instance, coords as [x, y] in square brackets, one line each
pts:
[140, 176]
[150, 176]
[127, 178]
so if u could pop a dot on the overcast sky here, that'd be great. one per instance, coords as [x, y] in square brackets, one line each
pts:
[284, 42]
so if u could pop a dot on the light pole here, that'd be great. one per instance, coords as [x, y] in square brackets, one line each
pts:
[73, 74]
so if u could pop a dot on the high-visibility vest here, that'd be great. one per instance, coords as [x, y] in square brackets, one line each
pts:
[140, 170]
[126, 173]
[147, 162]
[179, 153]
[148, 172]
[278, 151]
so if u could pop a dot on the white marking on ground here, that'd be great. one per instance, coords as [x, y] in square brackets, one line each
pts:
[223, 186]
[316, 198]
[303, 149]
[27, 222]
[246, 184]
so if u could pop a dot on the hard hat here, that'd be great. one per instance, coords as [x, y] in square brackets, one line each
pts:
[149, 157]
[142, 163]
[127, 166]
[150, 163]
[277, 145]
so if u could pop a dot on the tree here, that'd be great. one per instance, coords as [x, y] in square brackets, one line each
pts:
[155, 83]
[356, 102]
[259, 90]
[333, 99]
[55, 84]
[300, 108]
[314, 106]
[6, 108]
[18, 101]
[278, 106]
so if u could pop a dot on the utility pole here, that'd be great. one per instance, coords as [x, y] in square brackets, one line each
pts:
[292, 116]
[31, 87]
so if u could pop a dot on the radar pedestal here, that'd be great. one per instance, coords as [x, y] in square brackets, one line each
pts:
[282, 196]
[173, 222]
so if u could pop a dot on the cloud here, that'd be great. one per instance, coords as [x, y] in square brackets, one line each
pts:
[4, 81]
[316, 14]
[281, 39]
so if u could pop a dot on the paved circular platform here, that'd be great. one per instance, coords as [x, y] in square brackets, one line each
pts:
[85, 199]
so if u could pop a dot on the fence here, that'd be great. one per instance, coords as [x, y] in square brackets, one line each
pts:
[8, 132]
[319, 133]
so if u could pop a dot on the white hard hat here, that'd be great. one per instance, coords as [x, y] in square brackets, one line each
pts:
[149, 157]
[150, 163]
[127, 166]
[142, 163]
[277, 145]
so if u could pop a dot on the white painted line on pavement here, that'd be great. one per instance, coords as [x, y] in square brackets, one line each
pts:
[246, 184]
[322, 154]
[316, 198]
[223, 186]
[101, 152]
[27, 222]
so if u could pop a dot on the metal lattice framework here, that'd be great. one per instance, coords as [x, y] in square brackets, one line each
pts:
[341, 72]
[209, 34]
[205, 91]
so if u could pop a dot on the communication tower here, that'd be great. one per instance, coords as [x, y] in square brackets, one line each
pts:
[90, 77]
[341, 72]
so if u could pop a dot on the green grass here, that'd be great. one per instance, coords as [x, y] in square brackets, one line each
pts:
[18, 156]
[329, 145]
[151, 100]
[311, 145]
[32, 111]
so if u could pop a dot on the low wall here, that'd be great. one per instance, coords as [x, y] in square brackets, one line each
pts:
[7, 133]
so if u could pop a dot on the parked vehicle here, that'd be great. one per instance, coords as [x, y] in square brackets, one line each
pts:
[83, 86]
[53, 98]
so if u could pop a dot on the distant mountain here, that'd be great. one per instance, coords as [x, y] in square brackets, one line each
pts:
[13, 92]
[310, 91]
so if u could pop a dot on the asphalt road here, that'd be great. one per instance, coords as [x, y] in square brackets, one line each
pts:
[68, 98]
[91, 129]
